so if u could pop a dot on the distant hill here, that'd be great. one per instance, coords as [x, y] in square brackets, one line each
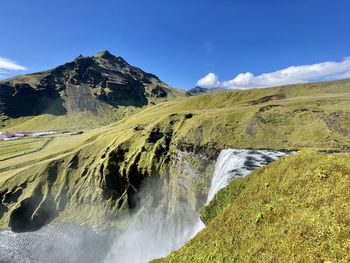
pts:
[88, 84]
[199, 90]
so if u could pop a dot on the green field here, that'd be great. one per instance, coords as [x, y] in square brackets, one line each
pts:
[20, 147]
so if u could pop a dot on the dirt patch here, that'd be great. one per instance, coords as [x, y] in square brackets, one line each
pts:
[258, 118]
[332, 121]
[268, 98]
[269, 107]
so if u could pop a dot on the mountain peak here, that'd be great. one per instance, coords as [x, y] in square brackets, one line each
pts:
[79, 57]
[197, 90]
[104, 54]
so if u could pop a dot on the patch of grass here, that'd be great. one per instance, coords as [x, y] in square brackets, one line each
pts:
[74, 121]
[20, 147]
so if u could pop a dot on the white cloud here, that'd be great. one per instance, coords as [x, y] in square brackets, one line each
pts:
[7, 65]
[294, 74]
[209, 81]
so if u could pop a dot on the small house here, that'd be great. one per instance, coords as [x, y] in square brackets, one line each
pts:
[21, 134]
[8, 135]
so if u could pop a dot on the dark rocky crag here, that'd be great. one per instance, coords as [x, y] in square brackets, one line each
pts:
[199, 90]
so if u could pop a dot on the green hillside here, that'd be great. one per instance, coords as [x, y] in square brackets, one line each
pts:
[293, 210]
[91, 178]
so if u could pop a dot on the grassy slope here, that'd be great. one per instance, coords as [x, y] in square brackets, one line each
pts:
[311, 116]
[82, 120]
[294, 210]
[301, 120]
[11, 149]
[71, 122]
[298, 121]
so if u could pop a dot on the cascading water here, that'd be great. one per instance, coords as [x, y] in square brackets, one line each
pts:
[155, 233]
[234, 163]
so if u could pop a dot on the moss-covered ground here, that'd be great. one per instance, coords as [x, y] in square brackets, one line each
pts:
[293, 210]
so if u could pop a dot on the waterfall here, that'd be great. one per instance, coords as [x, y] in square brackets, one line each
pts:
[234, 163]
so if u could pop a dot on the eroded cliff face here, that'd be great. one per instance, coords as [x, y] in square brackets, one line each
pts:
[175, 180]
[101, 181]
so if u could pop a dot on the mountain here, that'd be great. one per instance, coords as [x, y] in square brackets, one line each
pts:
[94, 85]
[199, 90]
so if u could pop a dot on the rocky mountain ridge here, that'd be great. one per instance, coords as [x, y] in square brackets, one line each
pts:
[197, 90]
[88, 84]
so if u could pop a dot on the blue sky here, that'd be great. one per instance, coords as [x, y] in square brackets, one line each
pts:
[180, 41]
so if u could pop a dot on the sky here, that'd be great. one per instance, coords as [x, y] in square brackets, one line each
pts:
[229, 43]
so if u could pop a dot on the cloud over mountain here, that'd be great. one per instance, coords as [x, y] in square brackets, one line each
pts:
[7, 65]
[324, 71]
[209, 81]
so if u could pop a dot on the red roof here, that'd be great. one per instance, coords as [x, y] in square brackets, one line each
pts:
[8, 134]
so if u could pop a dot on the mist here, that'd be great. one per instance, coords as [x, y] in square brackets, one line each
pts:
[162, 224]
[61, 243]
